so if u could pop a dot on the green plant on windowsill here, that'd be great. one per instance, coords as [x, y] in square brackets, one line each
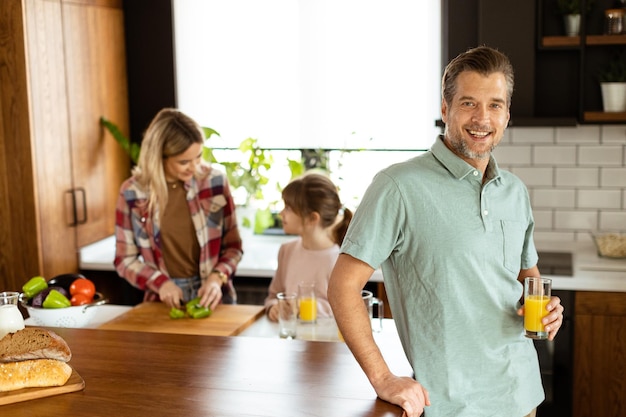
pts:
[252, 173]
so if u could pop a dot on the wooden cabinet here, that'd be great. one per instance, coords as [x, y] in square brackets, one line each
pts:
[63, 66]
[556, 79]
[599, 354]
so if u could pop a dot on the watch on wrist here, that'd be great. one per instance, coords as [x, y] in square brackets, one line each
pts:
[223, 276]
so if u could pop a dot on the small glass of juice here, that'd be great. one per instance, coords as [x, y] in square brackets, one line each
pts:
[537, 293]
[307, 302]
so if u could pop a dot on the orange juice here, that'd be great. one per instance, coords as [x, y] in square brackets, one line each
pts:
[308, 309]
[535, 310]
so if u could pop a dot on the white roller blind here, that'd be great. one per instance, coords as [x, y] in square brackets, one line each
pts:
[355, 74]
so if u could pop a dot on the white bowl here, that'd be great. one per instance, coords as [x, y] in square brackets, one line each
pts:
[76, 317]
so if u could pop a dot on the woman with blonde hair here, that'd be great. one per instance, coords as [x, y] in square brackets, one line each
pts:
[176, 230]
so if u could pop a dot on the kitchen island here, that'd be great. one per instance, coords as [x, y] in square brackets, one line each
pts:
[139, 374]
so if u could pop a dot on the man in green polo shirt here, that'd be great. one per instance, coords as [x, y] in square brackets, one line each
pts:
[453, 235]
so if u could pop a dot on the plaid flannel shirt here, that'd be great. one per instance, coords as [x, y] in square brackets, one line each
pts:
[138, 248]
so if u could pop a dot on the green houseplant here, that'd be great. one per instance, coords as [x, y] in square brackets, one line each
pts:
[571, 11]
[613, 84]
[573, 6]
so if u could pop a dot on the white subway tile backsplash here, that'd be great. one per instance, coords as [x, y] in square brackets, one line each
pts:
[588, 134]
[613, 177]
[554, 155]
[613, 220]
[554, 236]
[577, 177]
[600, 155]
[614, 134]
[608, 199]
[512, 155]
[553, 198]
[575, 220]
[520, 135]
[535, 176]
[543, 219]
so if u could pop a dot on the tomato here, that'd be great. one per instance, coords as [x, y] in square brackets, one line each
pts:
[83, 286]
[80, 299]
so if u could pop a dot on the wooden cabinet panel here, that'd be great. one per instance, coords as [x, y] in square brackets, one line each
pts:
[50, 134]
[63, 68]
[599, 355]
[95, 40]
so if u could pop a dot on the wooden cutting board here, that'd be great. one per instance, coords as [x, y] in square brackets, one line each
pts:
[75, 383]
[226, 320]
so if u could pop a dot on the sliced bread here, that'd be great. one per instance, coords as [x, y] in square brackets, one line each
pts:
[33, 343]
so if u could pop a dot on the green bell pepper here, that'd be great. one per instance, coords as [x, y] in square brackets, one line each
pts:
[56, 300]
[195, 310]
[34, 286]
[176, 313]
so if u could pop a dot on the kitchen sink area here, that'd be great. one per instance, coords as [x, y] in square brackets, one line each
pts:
[556, 263]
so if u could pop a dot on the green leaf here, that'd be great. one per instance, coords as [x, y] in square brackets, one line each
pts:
[208, 132]
[131, 148]
[262, 220]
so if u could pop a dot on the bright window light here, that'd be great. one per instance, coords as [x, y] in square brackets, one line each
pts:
[336, 74]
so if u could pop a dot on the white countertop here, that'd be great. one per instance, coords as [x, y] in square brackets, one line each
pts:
[260, 256]
[325, 330]
[591, 273]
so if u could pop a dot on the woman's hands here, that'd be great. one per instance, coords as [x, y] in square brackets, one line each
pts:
[210, 292]
[170, 294]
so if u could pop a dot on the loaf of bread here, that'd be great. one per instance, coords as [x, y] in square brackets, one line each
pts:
[33, 343]
[33, 373]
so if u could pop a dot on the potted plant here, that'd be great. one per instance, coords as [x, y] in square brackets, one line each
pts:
[571, 11]
[613, 84]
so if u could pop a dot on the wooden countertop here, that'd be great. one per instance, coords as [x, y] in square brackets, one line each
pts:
[153, 317]
[129, 373]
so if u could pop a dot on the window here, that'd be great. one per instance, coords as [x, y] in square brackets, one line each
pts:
[336, 74]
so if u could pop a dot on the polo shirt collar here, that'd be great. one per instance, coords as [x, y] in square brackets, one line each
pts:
[458, 167]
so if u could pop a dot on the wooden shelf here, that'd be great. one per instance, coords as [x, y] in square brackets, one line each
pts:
[569, 41]
[552, 41]
[605, 40]
[598, 116]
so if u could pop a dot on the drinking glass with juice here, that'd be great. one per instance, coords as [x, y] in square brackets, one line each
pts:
[536, 297]
[307, 302]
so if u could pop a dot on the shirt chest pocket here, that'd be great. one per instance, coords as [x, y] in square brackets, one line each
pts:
[213, 210]
[513, 235]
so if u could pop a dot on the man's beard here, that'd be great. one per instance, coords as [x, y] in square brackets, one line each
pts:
[461, 148]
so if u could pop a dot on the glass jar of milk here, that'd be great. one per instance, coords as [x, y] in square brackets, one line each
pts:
[11, 319]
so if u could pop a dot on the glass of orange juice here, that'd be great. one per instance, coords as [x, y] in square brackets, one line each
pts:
[537, 293]
[307, 302]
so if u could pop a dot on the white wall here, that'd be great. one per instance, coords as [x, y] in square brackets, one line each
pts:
[576, 177]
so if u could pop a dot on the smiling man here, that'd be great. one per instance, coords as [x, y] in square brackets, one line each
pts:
[453, 235]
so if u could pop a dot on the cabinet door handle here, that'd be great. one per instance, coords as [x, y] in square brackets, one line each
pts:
[72, 194]
[83, 219]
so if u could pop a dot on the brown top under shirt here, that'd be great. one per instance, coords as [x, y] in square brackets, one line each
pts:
[181, 251]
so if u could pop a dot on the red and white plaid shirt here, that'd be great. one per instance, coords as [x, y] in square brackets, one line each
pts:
[138, 249]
